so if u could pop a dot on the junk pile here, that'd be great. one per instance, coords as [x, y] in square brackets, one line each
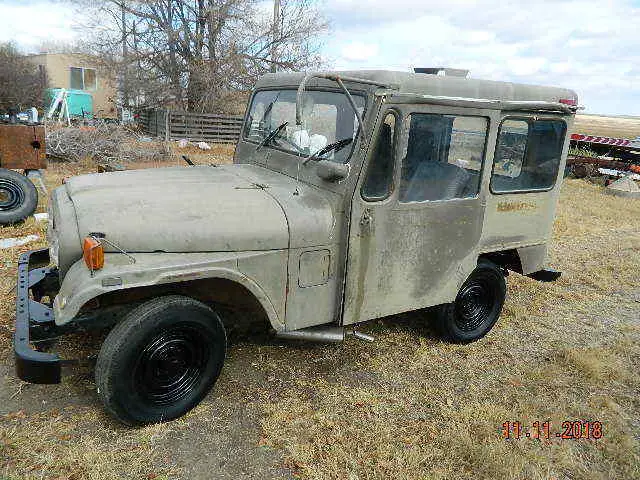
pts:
[624, 187]
[104, 143]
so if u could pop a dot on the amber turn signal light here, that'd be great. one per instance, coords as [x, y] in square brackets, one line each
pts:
[93, 253]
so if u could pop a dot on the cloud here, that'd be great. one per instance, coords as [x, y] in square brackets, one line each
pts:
[359, 51]
[590, 46]
[31, 23]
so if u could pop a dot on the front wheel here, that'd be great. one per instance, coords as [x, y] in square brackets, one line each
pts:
[477, 306]
[161, 360]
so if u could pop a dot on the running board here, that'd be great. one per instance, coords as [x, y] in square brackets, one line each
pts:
[324, 334]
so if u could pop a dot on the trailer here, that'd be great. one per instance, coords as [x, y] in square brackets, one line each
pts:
[22, 156]
[609, 142]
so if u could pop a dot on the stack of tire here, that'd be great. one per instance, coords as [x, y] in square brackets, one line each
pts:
[18, 197]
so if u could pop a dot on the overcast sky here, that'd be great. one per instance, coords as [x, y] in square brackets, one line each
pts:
[592, 46]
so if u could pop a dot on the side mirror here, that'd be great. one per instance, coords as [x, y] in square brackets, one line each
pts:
[331, 171]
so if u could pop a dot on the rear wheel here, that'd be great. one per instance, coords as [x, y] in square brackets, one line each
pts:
[477, 306]
[161, 360]
[18, 197]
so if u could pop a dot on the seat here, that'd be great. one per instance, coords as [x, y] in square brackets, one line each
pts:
[436, 181]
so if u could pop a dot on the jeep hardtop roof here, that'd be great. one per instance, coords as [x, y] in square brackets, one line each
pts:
[416, 85]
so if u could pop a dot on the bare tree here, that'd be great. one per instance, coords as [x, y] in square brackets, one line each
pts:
[21, 84]
[201, 54]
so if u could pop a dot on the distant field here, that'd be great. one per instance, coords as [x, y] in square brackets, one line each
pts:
[605, 126]
[407, 406]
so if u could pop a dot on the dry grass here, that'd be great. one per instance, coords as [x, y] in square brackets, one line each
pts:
[219, 153]
[618, 127]
[415, 407]
[407, 406]
[67, 445]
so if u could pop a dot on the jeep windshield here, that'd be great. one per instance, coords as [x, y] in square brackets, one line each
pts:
[328, 123]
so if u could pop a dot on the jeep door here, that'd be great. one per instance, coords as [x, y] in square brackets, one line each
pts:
[526, 177]
[417, 211]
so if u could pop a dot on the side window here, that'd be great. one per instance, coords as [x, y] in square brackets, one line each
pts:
[527, 155]
[379, 181]
[443, 158]
[76, 81]
[512, 145]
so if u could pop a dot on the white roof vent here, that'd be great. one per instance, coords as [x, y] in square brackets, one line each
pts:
[443, 71]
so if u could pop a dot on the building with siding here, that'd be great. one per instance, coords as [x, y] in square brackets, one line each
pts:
[77, 71]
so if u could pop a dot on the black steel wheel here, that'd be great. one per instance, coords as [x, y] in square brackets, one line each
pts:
[477, 306]
[171, 364]
[18, 197]
[161, 360]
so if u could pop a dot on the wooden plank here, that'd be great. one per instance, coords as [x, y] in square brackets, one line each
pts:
[207, 138]
[207, 135]
[190, 121]
[175, 121]
[179, 128]
[206, 115]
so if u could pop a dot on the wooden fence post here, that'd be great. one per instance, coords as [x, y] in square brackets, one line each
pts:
[167, 125]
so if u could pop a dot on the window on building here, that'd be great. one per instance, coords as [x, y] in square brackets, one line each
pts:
[379, 181]
[527, 155]
[83, 78]
[443, 158]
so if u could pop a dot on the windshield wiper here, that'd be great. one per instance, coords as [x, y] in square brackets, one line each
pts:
[267, 110]
[273, 134]
[337, 146]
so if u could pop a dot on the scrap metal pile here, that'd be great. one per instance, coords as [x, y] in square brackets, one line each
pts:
[103, 143]
[606, 146]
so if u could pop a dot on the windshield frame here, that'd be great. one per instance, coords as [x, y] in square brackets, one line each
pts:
[354, 92]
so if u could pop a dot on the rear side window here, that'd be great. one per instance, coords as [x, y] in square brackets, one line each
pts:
[443, 158]
[379, 181]
[527, 155]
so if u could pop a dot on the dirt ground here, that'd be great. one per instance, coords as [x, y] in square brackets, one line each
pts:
[407, 406]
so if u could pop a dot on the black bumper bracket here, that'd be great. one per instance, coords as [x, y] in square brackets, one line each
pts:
[31, 317]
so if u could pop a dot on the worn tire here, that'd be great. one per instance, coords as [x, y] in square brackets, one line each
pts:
[18, 197]
[477, 306]
[161, 360]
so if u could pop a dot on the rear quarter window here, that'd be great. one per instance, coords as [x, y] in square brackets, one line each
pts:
[528, 154]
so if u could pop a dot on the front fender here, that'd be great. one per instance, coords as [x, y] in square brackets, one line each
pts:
[119, 273]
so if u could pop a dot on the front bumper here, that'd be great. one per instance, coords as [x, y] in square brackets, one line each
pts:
[34, 320]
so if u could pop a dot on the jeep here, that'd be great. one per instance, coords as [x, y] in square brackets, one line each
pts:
[352, 196]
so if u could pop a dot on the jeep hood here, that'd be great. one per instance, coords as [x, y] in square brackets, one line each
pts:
[195, 209]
